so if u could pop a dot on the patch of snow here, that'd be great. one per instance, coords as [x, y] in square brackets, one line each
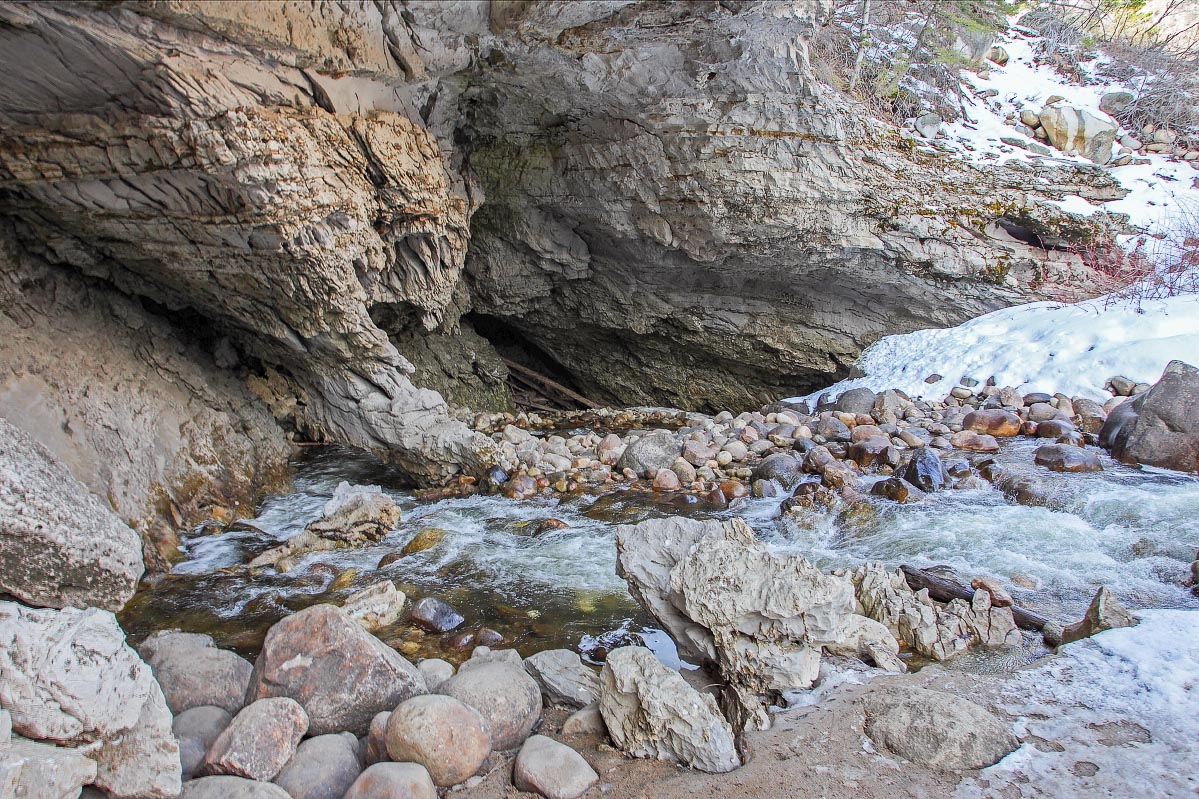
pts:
[1155, 189]
[1041, 346]
[1118, 712]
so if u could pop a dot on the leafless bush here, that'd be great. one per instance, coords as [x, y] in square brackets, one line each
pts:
[1161, 67]
[1153, 268]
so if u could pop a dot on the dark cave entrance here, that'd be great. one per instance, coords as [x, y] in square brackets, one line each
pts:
[537, 380]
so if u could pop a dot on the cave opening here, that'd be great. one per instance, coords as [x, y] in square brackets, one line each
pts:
[538, 381]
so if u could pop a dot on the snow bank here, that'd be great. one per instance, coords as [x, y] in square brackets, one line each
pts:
[1155, 189]
[1042, 346]
[1120, 710]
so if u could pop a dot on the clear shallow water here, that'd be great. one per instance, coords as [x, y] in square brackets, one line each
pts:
[1135, 531]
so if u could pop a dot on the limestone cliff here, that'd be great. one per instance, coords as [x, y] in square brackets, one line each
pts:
[658, 198]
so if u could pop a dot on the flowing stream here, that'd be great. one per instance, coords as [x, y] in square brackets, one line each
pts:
[1134, 530]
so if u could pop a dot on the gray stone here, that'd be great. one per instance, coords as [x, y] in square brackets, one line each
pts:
[434, 615]
[1104, 613]
[259, 741]
[936, 729]
[196, 730]
[375, 606]
[193, 672]
[341, 674]
[652, 452]
[506, 696]
[1161, 426]
[68, 676]
[1114, 103]
[928, 125]
[59, 545]
[393, 781]
[857, 400]
[435, 671]
[449, 738]
[323, 767]
[925, 470]
[651, 712]
[552, 769]
[1066, 458]
[781, 466]
[5, 726]
[229, 787]
[563, 677]
[585, 721]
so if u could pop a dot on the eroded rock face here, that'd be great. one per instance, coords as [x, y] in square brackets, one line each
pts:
[59, 545]
[246, 199]
[83, 367]
[670, 193]
[68, 677]
[651, 711]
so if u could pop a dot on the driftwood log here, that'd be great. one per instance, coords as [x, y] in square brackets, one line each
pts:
[944, 590]
[549, 389]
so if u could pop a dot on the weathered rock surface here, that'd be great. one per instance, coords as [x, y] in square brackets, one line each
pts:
[341, 674]
[31, 769]
[83, 367]
[552, 769]
[259, 741]
[393, 781]
[450, 739]
[936, 729]
[760, 618]
[376, 605]
[1161, 426]
[354, 516]
[323, 767]
[563, 677]
[59, 545]
[193, 672]
[67, 676]
[650, 711]
[297, 236]
[504, 695]
[652, 452]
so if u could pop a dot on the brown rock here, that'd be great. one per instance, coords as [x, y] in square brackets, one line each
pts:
[1000, 598]
[425, 539]
[733, 489]
[992, 422]
[259, 741]
[666, 480]
[974, 442]
[341, 674]
[450, 739]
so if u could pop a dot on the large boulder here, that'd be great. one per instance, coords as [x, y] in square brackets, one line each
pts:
[341, 674]
[759, 617]
[193, 672]
[507, 698]
[651, 712]
[60, 546]
[563, 677]
[552, 769]
[1161, 426]
[446, 736]
[936, 729]
[259, 741]
[67, 676]
[650, 453]
[1075, 131]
